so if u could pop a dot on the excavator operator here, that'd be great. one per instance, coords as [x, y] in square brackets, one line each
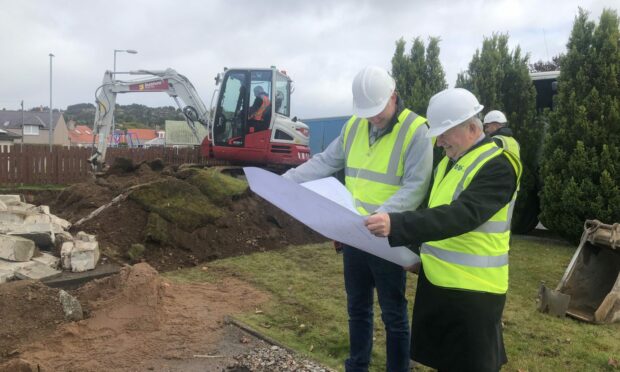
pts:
[258, 111]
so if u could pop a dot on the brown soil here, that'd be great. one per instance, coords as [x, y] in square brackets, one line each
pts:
[136, 321]
[249, 224]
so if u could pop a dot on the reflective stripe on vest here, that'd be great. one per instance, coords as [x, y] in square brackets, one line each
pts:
[374, 172]
[476, 260]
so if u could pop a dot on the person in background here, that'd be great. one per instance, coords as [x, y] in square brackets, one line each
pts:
[496, 126]
[387, 161]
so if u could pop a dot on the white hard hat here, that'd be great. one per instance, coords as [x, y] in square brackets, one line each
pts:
[372, 88]
[495, 116]
[449, 108]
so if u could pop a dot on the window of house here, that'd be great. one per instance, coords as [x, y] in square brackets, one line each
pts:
[31, 130]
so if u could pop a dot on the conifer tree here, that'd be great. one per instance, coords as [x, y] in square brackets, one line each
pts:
[418, 74]
[581, 157]
[500, 79]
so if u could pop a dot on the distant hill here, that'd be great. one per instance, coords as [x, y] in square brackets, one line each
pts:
[129, 116]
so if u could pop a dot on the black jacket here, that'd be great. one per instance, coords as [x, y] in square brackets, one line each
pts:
[489, 191]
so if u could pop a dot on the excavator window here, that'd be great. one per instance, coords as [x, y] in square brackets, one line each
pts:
[283, 95]
[230, 117]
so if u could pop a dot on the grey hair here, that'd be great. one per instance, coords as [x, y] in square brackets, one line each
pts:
[475, 120]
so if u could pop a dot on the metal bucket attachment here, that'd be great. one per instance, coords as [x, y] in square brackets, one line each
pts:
[590, 287]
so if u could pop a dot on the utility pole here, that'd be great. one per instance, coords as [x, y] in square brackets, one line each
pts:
[22, 121]
[51, 128]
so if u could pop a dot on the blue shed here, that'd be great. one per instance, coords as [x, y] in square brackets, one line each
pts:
[323, 131]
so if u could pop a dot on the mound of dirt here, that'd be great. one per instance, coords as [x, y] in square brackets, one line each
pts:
[28, 311]
[181, 216]
[135, 321]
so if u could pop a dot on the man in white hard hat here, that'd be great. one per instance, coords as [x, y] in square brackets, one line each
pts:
[496, 126]
[463, 236]
[387, 159]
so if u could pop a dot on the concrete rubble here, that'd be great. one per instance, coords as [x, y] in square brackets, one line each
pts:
[27, 231]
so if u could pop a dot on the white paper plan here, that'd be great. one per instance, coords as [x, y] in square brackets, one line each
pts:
[324, 207]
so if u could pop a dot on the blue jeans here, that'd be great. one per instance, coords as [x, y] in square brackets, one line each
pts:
[362, 273]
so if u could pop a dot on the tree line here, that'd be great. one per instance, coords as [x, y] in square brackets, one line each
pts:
[126, 116]
[571, 154]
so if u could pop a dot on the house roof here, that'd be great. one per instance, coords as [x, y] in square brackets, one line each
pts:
[10, 119]
[179, 133]
[81, 134]
[155, 142]
[143, 135]
[8, 136]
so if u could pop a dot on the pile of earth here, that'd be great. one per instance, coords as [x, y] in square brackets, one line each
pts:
[135, 320]
[174, 217]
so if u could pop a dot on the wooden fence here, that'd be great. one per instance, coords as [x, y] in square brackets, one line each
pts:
[37, 164]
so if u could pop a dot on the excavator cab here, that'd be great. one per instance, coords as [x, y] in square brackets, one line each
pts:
[251, 120]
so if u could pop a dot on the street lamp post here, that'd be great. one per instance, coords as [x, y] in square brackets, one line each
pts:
[51, 128]
[130, 51]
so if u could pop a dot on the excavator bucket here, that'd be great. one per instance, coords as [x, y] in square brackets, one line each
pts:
[590, 287]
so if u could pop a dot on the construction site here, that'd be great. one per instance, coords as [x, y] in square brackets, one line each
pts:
[161, 219]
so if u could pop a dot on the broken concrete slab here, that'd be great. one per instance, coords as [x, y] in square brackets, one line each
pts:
[3, 206]
[42, 234]
[36, 271]
[15, 248]
[47, 259]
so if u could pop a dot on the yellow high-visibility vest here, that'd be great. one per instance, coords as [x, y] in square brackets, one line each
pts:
[374, 173]
[476, 260]
[510, 145]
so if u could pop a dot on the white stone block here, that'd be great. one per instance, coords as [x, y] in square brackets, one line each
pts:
[15, 248]
[64, 224]
[13, 217]
[3, 206]
[84, 256]
[43, 209]
[11, 198]
[13, 266]
[36, 271]
[47, 259]
[81, 235]
[41, 233]
[65, 255]
[37, 218]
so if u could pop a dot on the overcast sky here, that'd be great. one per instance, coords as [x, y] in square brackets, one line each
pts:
[320, 43]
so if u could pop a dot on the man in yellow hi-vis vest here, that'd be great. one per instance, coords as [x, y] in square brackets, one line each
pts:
[387, 161]
[463, 237]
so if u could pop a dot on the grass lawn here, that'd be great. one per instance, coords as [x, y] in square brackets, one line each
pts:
[307, 310]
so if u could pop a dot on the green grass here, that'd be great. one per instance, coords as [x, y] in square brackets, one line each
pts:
[307, 310]
[24, 187]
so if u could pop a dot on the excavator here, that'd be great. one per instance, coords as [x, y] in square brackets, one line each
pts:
[235, 134]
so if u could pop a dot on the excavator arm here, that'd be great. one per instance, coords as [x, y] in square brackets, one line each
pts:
[168, 81]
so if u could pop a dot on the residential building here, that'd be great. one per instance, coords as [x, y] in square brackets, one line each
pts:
[81, 136]
[33, 126]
